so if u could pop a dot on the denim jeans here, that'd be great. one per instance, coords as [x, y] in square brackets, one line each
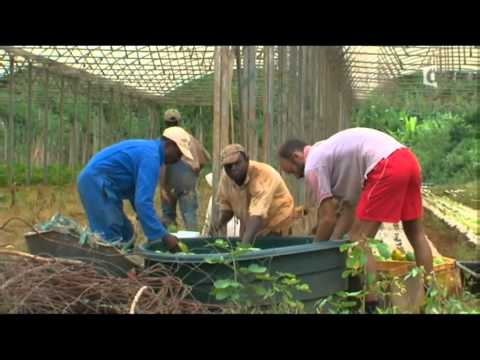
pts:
[181, 186]
[104, 208]
[188, 207]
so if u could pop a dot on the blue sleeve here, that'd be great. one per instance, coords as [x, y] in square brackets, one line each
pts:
[146, 183]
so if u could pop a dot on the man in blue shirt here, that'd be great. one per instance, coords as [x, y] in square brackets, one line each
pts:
[130, 170]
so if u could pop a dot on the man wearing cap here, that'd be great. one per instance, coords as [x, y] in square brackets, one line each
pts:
[255, 193]
[129, 170]
[179, 180]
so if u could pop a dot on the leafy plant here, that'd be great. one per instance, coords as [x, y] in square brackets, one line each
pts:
[253, 288]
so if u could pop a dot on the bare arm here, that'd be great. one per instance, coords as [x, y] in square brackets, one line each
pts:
[327, 219]
[254, 223]
[163, 184]
[344, 221]
[225, 216]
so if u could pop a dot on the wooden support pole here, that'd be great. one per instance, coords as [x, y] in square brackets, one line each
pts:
[75, 125]
[129, 112]
[310, 84]
[217, 98]
[45, 127]
[292, 120]
[227, 73]
[62, 125]
[252, 104]
[301, 92]
[156, 123]
[292, 94]
[200, 130]
[101, 118]
[222, 82]
[245, 100]
[29, 123]
[11, 125]
[241, 97]
[268, 103]
[150, 122]
[283, 58]
[88, 128]
[316, 94]
[323, 71]
[112, 120]
[120, 115]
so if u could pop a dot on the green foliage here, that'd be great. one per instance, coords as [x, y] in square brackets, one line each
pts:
[57, 174]
[443, 132]
[253, 288]
[437, 301]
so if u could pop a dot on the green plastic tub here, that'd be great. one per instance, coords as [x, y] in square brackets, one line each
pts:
[319, 264]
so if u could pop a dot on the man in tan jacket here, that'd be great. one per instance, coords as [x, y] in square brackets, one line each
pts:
[255, 193]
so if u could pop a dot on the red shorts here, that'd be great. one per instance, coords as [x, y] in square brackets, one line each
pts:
[392, 192]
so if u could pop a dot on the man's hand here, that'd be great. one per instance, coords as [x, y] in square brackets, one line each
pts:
[196, 170]
[171, 242]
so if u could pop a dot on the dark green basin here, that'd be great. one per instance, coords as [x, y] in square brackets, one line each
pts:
[319, 264]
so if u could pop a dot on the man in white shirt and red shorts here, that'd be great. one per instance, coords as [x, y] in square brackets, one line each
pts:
[366, 170]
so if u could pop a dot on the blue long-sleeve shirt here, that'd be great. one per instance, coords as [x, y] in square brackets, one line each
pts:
[132, 170]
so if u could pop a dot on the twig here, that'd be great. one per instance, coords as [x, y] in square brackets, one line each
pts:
[137, 297]
[17, 219]
[40, 258]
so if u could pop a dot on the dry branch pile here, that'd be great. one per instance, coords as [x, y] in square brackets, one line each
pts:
[37, 285]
